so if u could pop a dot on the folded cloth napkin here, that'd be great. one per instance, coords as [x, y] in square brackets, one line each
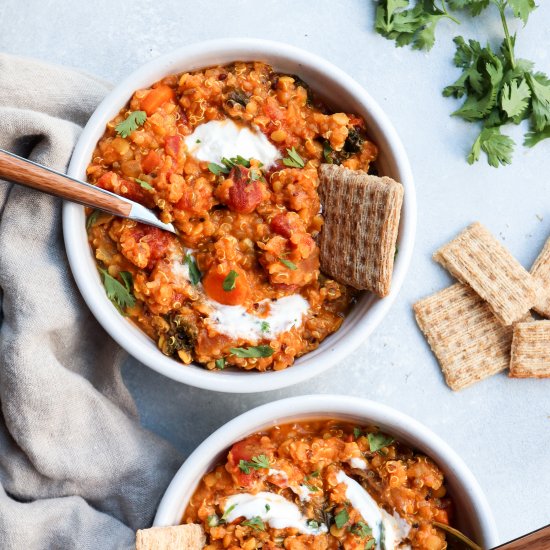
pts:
[76, 468]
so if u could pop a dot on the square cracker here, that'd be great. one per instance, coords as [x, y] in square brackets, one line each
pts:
[531, 350]
[541, 272]
[464, 334]
[179, 537]
[475, 257]
[357, 242]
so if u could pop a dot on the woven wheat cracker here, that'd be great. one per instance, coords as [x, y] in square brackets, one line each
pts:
[541, 272]
[475, 257]
[464, 334]
[359, 235]
[179, 537]
[531, 350]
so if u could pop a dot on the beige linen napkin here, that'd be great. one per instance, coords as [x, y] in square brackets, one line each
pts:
[76, 468]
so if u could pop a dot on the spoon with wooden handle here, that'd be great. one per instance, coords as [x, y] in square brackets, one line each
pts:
[41, 178]
[537, 540]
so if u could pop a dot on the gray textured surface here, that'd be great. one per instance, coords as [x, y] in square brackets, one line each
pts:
[500, 427]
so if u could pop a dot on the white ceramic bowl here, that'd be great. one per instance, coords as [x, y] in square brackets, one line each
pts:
[473, 515]
[338, 90]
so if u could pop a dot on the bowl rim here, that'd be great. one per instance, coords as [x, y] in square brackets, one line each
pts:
[328, 405]
[124, 333]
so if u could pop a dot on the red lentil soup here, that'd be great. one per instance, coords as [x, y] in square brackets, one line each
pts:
[240, 284]
[320, 485]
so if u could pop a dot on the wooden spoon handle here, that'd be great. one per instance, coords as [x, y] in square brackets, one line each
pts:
[537, 540]
[30, 174]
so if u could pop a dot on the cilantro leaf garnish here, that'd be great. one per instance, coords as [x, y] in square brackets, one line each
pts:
[370, 544]
[220, 363]
[312, 524]
[253, 351]
[357, 432]
[256, 463]
[288, 263]
[361, 529]
[294, 160]
[379, 441]
[341, 518]
[311, 488]
[227, 512]
[131, 123]
[144, 184]
[264, 326]
[217, 169]
[119, 294]
[230, 280]
[256, 523]
[498, 147]
[194, 273]
[92, 219]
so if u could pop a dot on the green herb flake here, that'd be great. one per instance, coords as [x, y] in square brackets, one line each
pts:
[92, 219]
[213, 520]
[144, 184]
[288, 263]
[294, 160]
[341, 518]
[217, 169]
[253, 351]
[379, 441]
[227, 512]
[370, 544]
[267, 508]
[220, 363]
[311, 488]
[118, 293]
[257, 463]
[230, 280]
[314, 474]
[198, 141]
[132, 122]
[194, 273]
[311, 523]
[361, 529]
[256, 523]
[357, 432]
[126, 276]
[264, 326]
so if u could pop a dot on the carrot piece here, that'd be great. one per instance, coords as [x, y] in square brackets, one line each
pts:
[155, 98]
[213, 286]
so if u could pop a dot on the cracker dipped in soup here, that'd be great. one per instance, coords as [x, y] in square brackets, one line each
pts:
[321, 485]
[229, 155]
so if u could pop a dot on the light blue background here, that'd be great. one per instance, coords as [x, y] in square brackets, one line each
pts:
[501, 427]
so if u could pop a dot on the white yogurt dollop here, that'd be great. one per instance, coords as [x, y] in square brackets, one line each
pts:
[388, 531]
[271, 508]
[216, 139]
[236, 322]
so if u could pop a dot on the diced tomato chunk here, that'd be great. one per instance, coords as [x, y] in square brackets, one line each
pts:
[157, 242]
[156, 98]
[244, 195]
[244, 450]
[125, 188]
[280, 224]
[150, 162]
[172, 145]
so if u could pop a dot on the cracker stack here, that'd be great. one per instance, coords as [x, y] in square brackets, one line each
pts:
[357, 243]
[179, 537]
[483, 324]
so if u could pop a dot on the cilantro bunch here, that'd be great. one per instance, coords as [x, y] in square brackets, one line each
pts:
[497, 88]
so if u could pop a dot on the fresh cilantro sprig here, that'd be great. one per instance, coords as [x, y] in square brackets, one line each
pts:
[341, 518]
[194, 272]
[397, 20]
[497, 88]
[230, 281]
[131, 123]
[120, 294]
[379, 441]
[227, 164]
